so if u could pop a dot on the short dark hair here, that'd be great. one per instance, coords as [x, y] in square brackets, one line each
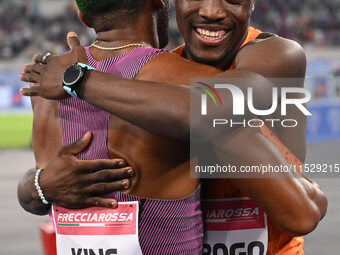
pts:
[104, 14]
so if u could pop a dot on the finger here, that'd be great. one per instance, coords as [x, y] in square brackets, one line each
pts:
[24, 68]
[27, 68]
[30, 92]
[74, 44]
[78, 146]
[92, 166]
[107, 188]
[72, 40]
[32, 77]
[101, 202]
[37, 68]
[110, 175]
[37, 58]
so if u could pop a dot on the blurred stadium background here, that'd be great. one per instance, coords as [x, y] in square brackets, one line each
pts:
[31, 26]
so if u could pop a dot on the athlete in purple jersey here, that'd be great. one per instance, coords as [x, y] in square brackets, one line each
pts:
[165, 226]
[170, 219]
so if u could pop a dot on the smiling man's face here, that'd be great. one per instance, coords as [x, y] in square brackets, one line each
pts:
[213, 30]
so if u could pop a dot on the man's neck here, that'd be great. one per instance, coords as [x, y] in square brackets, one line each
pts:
[119, 37]
[142, 31]
[122, 36]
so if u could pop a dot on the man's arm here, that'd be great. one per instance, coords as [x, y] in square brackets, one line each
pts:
[73, 183]
[135, 100]
[296, 204]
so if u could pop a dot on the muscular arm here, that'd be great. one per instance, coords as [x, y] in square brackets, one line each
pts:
[65, 180]
[135, 100]
[294, 203]
[45, 140]
[72, 183]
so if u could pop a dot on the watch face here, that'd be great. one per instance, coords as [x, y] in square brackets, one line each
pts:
[72, 75]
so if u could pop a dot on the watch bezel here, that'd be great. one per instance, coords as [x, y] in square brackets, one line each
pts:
[76, 81]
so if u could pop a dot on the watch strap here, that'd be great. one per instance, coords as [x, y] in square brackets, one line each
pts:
[86, 66]
[71, 92]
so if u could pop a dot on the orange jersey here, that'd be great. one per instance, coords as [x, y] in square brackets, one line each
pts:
[279, 243]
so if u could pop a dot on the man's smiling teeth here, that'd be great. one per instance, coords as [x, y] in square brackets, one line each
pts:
[211, 35]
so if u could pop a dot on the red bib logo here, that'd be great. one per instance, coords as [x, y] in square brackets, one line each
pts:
[96, 221]
[232, 215]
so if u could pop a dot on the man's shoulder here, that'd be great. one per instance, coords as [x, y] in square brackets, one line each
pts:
[277, 55]
[172, 68]
[270, 42]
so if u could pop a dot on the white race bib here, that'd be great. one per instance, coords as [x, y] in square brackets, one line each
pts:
[234, 227]
[97, 231]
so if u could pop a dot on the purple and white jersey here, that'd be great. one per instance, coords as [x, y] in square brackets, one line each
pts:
[165, 226]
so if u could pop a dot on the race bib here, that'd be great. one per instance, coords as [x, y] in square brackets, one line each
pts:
[234, 227]
[97, 231]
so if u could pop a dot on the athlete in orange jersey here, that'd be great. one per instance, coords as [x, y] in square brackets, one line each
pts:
[214, 32]
[279, 242]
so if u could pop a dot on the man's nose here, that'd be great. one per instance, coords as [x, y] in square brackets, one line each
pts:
[212, 10]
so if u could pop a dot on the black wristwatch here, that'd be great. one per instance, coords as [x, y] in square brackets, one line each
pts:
[73, 76]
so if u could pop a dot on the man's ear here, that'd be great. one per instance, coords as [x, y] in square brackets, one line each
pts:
[83, 20]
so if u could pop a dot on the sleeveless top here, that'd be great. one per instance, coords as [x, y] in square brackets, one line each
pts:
[165, 226]
[279, 242]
